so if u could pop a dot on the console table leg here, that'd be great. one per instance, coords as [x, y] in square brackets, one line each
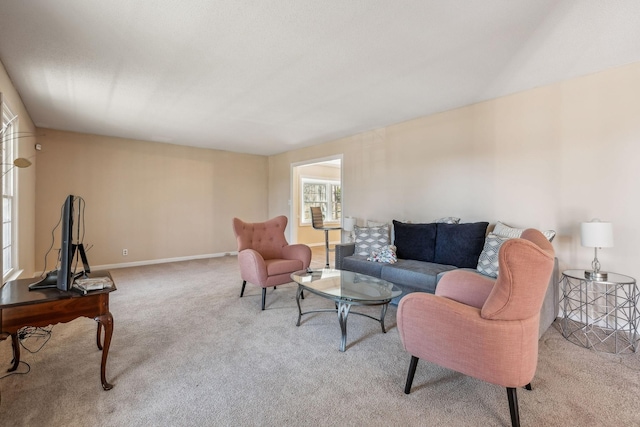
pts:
[16, 352]
[105, 320]
[98, 336]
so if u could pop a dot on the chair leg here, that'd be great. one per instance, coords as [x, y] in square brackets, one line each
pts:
[264, 296]
[513, 406]
[244, 283]
[326, 246]
[528, 387]
[412, 371]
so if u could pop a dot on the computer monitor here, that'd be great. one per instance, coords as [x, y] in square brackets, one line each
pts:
[64, 276]
[64, 279]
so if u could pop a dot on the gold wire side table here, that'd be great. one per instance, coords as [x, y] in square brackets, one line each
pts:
[600, 314]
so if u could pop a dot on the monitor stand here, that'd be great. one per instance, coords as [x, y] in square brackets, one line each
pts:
[49, 281]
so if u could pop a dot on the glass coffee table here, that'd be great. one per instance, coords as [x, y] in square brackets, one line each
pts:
[345, 288]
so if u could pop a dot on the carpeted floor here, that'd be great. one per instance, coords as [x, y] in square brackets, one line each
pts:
[188, 351]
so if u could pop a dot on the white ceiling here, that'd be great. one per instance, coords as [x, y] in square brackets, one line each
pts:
[268, 76]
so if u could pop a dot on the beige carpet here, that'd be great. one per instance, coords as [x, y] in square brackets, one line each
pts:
[188, 351]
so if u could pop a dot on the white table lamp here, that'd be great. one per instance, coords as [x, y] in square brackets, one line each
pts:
[349, 224]
[596, 234]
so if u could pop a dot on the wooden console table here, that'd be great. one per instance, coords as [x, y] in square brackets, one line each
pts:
[20, 307]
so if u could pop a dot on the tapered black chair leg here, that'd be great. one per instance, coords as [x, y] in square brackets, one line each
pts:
[513, 406]
[412, 371]
[326, 247]
[264, 296]
[528, 387]
[244, 283]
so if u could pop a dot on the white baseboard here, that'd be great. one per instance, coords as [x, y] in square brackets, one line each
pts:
[161, 261]
[155, 261]
[315, 245]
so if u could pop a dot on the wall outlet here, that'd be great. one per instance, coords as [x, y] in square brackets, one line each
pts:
[125, 252]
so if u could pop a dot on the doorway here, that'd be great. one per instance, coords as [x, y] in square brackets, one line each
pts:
[316, 182]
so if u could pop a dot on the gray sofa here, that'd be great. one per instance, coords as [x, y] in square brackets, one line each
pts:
[417, 275]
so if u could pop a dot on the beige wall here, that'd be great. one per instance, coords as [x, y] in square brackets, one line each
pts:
[159, 201]
[26, 183]
[547, 158]
[305, 232]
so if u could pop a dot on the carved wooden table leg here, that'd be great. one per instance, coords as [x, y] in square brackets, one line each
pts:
[105, 320]
[98, 336]
[16, 352]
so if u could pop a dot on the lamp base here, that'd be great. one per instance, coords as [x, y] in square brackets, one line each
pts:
[595, 275]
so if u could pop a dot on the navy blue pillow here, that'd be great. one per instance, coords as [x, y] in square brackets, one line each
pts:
[415, 241]
[460, 244]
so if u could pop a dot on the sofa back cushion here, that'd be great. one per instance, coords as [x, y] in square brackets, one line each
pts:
[459, 244]
[415, 241]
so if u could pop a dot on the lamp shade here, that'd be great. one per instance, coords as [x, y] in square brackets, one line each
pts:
[596, 234]
[348, 224]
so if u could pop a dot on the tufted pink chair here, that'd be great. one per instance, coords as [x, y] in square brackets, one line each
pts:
[265, 257]
[483, 328]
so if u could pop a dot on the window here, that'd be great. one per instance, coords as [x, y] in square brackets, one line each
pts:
[8, 135]
[323, 193]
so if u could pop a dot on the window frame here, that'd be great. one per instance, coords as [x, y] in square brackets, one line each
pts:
[335, 212]
[8, 146]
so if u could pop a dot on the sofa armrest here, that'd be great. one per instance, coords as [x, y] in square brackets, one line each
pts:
[343, 250]
[298, 251]
[551, 303]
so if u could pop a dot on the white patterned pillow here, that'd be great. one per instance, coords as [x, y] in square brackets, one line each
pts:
[448, 220]
[504, 230]
[376, 223]
[488, 260]
[369, 239]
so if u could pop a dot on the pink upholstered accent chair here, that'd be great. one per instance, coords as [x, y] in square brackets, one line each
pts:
[265, 257]
[480, 327]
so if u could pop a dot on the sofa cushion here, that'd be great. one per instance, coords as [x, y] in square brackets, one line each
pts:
[414, 275]
[359, 264]
[369, 239]
[415, 241]
[460, 244]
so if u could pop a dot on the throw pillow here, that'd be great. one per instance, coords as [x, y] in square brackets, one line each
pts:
[415, 241]
[504, 230]
[369, 239]
[386, 254]
[459, 244]
[488, 260]
[375, 223]
[448, 220]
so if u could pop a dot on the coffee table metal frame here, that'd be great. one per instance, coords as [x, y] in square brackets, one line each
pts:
[343, 304]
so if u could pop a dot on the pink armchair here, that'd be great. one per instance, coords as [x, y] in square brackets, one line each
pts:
[480, 327]
[265, 257]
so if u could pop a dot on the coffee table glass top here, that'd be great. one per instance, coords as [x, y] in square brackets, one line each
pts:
[346, 285]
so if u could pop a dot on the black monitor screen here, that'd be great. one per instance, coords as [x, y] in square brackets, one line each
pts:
[66, 248]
